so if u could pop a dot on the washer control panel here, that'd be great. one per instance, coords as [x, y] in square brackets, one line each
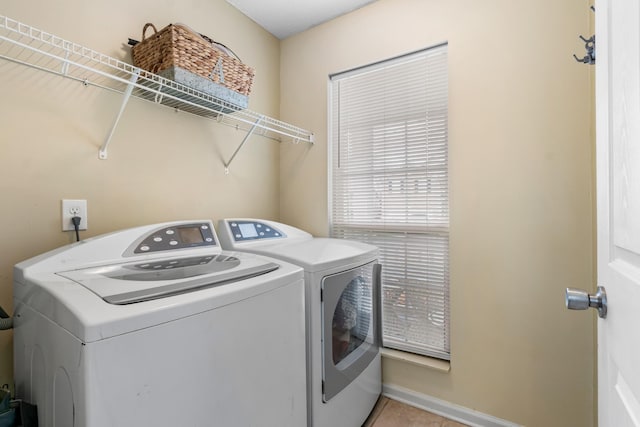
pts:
[253, 230]
[177, 237]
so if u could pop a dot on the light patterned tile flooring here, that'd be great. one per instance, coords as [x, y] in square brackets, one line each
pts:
[391, 413]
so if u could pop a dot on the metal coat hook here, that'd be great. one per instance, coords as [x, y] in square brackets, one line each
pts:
[590, 47]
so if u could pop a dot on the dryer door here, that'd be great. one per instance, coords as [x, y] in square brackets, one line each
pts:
[350, 330]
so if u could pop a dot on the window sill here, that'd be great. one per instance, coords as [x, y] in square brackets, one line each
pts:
[414, 359]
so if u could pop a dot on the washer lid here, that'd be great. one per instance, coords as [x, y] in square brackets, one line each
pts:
[146, 280]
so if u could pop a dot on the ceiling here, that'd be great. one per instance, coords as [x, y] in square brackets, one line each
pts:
[284, 18]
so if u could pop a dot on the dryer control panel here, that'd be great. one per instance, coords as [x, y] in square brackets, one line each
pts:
[243, 230]
[181, 236]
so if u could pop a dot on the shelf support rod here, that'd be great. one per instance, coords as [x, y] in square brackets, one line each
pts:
[126, 95]
[246, 137]
[65, 62]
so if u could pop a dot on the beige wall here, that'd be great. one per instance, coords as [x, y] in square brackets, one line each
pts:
[162, 165]
[521, 148]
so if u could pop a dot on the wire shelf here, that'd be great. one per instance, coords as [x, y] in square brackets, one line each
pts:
[23, 44]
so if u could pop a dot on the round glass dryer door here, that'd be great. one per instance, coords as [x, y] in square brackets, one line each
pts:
[349, 326]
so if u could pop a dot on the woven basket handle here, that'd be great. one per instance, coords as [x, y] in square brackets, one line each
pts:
[144, 29]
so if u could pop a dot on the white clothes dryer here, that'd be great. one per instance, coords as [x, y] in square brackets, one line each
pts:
[157, 326]
[342, 285]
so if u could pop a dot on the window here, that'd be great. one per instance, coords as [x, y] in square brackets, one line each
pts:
[389, 187]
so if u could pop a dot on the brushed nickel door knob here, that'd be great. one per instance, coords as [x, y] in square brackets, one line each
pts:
[577, 299]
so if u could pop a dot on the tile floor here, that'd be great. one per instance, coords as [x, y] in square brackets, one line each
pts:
[391, 413]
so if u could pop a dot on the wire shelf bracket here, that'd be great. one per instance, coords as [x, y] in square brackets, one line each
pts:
[102, 154]
[246, 137]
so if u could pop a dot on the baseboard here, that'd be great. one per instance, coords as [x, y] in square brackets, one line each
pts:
[443, 408]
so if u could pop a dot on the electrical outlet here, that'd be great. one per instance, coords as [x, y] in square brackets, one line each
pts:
[71, 208]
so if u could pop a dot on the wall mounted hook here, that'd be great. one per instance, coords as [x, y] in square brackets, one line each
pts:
[590, 47]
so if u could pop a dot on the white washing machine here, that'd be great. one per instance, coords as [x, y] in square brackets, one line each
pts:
[157, 326]
[342, 285]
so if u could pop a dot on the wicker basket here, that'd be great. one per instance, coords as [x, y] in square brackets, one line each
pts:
[181, 54]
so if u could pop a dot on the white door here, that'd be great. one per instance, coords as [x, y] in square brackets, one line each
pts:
[618, 203]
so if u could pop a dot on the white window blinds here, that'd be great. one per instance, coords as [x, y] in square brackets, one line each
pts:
[389, 187]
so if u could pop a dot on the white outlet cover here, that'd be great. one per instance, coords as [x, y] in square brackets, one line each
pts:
[70, 208]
